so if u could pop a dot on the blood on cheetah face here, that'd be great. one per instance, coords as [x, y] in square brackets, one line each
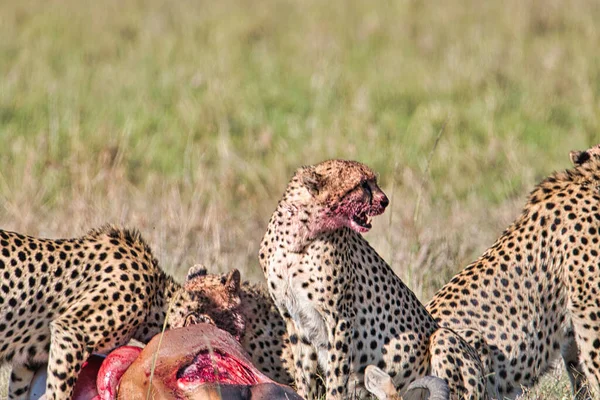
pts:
[346, 195]
[219, 296]
[214, 291]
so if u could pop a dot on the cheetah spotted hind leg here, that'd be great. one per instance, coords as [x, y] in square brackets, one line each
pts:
[588, 343]
[67, 353]
[478, 342]
[570, 355]
[455, 361]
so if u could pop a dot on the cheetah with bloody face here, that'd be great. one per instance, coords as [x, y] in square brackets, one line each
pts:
[343, 305]
[62, 300]
[536, 292]
[220, 299]
[252, 318]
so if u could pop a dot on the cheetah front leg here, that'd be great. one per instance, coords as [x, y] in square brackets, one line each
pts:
[67, 354]
[588, 342]
[570, 355]
[20, 379]
[341, 380]
[305, 363]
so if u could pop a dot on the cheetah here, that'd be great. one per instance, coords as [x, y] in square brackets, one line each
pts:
[265, 337]
[536, 292]
[220, 298]
[253, 319]
[64, 299]
[343, 305]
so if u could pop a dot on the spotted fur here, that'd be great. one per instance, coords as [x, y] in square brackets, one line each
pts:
[536, 292]
[343, 305]
[263, 334]
[220, 299]
[61, 300]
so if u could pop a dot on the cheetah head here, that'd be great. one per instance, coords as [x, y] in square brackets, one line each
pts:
[581, 157]
[219, 300]
[220, 292]
[335, 194]
[206, 295]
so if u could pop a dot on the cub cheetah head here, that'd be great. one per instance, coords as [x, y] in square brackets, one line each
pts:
[335, 194]
[220, 292]
[208, 295]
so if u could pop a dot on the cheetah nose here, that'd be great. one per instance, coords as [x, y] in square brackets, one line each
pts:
[384, 201]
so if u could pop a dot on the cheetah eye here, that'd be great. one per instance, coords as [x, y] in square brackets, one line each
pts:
[366, 187]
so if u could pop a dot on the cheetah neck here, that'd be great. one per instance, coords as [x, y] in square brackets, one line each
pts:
[290, 232]
[295, 226]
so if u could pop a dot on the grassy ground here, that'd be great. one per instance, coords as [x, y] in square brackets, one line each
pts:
[186, 118]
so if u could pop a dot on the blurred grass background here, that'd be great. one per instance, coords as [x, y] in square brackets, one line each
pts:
[186, 118]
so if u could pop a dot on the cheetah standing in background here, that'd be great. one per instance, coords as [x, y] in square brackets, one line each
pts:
[62, 300]
[343, 305]
[536, 291]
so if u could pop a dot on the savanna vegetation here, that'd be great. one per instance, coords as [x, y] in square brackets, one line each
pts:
[186, 118]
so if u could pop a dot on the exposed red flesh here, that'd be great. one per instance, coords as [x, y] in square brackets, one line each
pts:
[190, 362]
[215, 367]
[85, 388]
[113, 368]
[200, 362]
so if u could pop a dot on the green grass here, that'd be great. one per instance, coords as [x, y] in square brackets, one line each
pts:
[187, 118]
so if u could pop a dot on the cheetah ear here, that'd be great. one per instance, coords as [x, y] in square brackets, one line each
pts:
[579, 157]
[378, 383]
[233, 281]
[312, 180]
[196, 271]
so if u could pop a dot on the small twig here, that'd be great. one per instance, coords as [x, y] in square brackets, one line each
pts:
[426, 172]
[162, 333]
[391, 213]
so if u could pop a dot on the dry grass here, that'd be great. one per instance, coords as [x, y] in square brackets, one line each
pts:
[186, 119]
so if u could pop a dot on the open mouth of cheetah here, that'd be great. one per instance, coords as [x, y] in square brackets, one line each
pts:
[215, 367]
[361, 222]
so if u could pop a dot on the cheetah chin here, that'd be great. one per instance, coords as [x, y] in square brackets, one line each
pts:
[361, 223]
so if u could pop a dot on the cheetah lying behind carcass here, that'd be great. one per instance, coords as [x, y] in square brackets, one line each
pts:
[536, 291]
[340, 299]
[254, 320]
[62, 300]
